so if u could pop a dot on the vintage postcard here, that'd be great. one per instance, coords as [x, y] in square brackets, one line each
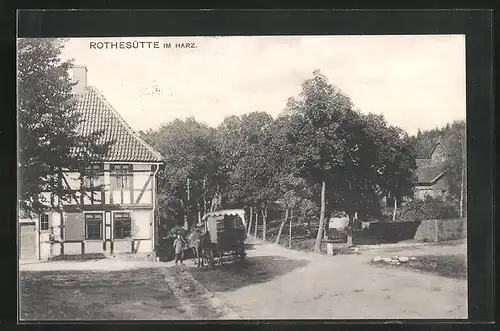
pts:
[242, 177]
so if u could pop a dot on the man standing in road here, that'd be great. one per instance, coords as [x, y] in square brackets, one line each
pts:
[179, 247]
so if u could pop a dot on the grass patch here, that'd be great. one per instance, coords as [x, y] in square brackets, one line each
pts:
[78, 295]
[303, 240]
[450, 266]
[83, 257]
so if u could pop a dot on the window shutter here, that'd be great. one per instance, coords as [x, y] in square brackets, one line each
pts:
[74, 227]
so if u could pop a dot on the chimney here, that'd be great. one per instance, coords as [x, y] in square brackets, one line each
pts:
[79, 76]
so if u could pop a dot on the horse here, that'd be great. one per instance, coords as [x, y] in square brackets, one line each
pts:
[198, 241]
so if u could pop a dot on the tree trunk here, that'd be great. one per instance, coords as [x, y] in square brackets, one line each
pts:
[256, 224]
[250, 221]
[325, 229]
[317, 245]
[264, 223]
[395, 208]
[462, 182]
[281, 227]
[350, 231]
[290, 231]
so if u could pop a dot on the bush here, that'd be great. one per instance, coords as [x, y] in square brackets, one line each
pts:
[173, 232]
[387, 232]
[428, 209]
[165, 249]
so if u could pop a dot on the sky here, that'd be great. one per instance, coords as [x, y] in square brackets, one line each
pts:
[416, 82]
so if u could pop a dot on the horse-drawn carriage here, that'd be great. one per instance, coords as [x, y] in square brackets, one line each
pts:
[220, 236]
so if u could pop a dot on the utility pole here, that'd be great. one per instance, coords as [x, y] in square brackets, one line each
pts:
[204, 195]
[187, 207]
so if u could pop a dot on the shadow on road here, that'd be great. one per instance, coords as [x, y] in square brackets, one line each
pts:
[253, 270]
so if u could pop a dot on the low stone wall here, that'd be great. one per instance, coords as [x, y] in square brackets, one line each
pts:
[441, 230]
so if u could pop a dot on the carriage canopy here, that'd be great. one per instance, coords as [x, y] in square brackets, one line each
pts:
[218, 220]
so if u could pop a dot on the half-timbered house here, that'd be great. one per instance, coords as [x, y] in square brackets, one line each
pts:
[114, 208]
[431, 174]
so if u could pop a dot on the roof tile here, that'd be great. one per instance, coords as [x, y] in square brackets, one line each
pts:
[99, 115]
[426, 174]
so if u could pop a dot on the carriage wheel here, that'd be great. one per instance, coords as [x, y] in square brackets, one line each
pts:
[242, 254]
[211, 258]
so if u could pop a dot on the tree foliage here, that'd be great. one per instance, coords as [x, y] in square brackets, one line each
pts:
[49, 140]
[453, 136]
[190, 153]
[240, 142]
[456, 161]
[359, 156]
[255, 160]
[428, 209]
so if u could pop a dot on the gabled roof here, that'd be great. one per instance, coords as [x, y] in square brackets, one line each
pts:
[99, 115]
[428, 174]
[441, 143]
[423, 162]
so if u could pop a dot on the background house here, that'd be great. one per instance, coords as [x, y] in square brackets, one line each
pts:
[116, 212]
[431, 174]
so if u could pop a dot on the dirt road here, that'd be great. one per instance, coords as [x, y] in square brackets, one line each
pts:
[275, 283]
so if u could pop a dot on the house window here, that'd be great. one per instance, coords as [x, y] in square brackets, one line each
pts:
[44, 222]
[220, 225]
[122, 225]
[93, 176]
[121, 175]
[93, 226]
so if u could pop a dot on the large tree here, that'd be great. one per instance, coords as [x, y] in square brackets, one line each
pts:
[318, 134]
[49, 140]
[391, 156]
[248, 162]
[293, 192]
[188, 181]
[355, 157]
